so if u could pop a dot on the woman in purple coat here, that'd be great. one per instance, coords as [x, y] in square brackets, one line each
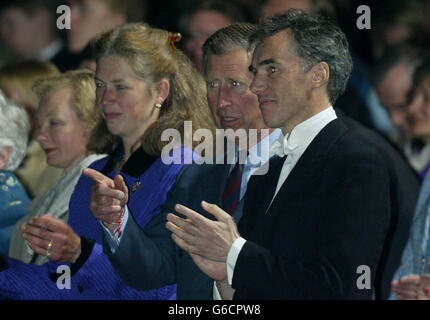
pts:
[144, 86]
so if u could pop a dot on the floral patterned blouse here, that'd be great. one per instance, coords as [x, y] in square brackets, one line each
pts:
[13, 203]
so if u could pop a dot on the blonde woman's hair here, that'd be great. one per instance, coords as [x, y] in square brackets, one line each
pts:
[153, 56]
[84, 105]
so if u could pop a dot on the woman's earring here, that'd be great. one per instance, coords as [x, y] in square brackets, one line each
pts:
[158, 105]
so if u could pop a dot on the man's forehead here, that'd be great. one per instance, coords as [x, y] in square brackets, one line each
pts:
[235, 62]
[273, 46]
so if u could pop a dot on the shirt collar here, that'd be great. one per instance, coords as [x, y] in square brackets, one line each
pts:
[295, 144]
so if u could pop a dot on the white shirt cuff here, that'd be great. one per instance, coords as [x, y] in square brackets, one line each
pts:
[215, 292]
[114, 240]
[232, 255]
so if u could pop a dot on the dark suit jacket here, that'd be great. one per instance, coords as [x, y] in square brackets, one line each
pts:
[404, 189]
[330, 216]
[147, 259]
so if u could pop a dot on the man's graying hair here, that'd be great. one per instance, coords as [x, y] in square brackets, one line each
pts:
[233, 37]
[316, 39]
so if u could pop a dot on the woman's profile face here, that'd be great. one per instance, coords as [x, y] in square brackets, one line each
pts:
[127, 102]
[61, 134]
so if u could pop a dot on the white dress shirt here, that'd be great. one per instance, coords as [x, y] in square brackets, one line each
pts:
[293, 145]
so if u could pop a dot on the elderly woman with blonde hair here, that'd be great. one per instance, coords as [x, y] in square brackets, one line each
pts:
[13, 146]
[17, 80]
[71, 131]
[145, 85]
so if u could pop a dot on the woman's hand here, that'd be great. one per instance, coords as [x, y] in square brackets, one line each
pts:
[52, 237]
[108, 197]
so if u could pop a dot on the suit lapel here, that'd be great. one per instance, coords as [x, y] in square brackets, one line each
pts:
[311, 164]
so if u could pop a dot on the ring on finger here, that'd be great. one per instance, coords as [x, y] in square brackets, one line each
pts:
[49, 248]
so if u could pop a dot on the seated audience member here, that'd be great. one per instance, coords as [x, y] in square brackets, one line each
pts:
[17, 80]
[201, 21]
[70, 132]
[28, 28]
[415, 258]
[13, 144]
[418, 114]
[144, 86]
[393, 79]
[404, 185]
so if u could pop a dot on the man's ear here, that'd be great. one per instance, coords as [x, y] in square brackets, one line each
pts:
[162, 91]
[320, 74]
[4, 157]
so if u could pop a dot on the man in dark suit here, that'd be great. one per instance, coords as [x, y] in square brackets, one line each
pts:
[147, 259]
[325, 210]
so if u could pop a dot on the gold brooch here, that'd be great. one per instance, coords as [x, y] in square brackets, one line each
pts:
[135, 186]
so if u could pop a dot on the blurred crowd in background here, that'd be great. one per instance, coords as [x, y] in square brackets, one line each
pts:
[384, 92]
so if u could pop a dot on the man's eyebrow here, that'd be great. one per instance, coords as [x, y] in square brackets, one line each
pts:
[266, 62]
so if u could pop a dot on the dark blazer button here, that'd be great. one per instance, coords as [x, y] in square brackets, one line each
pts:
[180, 252]
[80, 288]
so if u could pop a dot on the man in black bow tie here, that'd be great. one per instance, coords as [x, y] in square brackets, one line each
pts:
[322, 211]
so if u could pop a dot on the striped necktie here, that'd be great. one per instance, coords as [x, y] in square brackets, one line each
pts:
[231, 196]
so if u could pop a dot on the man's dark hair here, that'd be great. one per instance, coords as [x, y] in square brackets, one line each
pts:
[316, 39]
[225, 40]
